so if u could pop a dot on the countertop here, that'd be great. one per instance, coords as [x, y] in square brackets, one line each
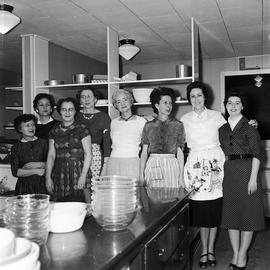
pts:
[92, 247]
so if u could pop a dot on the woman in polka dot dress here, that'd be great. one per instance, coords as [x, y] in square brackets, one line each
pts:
[242, 192]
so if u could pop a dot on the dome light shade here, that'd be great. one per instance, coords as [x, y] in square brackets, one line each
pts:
[7, 19]
[127, 48]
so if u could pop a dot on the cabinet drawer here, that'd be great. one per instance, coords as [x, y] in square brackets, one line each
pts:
[180, 258]
[163, 245]
[181, 222]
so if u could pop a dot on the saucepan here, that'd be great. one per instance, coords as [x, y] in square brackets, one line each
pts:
[80, 78]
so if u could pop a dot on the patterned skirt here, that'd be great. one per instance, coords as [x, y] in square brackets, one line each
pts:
[65, 175]
[96, 160]
[162, 170]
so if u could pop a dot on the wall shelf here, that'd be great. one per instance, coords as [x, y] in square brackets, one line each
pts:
[70, 85]
[149, 103]
[9, 127]
[14, 88]
[154, 81]
[15, 108]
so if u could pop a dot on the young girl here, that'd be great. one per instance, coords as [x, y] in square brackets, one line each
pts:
[163, 140]
[28, 157]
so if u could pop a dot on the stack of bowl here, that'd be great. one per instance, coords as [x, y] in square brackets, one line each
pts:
[114, 201]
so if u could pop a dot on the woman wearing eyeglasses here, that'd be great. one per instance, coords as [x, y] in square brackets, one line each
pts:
[98, 123]
[69, 157]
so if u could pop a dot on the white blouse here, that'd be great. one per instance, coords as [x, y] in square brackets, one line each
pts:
[126, 137]
[202, 130]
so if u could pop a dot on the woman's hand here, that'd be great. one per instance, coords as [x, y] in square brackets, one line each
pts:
[34, 165]
[254, 123]
[252, 186]
[49, 185]
[81, 182]
[40, 172]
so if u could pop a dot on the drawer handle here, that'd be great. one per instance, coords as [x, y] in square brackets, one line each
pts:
[181, 228]
[161, 252]
[182, 257]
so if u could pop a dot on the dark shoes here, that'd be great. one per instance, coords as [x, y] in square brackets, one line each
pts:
[209, 262]
[212, 262]
[234, 266]
[203, 265]
[241, 268]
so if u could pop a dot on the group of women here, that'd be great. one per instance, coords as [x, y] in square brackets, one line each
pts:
[221, 170]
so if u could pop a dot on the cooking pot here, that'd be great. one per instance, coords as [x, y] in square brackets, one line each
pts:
[80, 78]
[181, 71]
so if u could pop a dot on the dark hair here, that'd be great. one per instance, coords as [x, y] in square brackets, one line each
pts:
[68, 99]
[236, 93]
[23, 118]
[199, 85]
[157, 93]
[40, 96]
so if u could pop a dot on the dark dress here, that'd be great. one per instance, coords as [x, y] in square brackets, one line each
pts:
[68, 162]
[241, 211]
[42, 131]
[22, 153]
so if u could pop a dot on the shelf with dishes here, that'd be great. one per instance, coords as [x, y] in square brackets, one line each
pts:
[180, 102]
[161, 81]
[72, 85]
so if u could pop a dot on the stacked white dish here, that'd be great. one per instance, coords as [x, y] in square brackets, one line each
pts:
[114, 201]
[19, 253]
[142, 95]
[66, 216]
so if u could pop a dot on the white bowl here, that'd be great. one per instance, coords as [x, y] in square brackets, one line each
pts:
[75, 208]
[142, 95]
[66, 222]
[28, 262]
[22, 249]
[7, 243]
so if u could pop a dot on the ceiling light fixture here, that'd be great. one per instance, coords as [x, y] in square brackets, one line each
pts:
[127, 48]
[7, 19]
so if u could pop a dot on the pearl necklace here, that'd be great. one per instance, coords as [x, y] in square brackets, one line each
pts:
[88, 117]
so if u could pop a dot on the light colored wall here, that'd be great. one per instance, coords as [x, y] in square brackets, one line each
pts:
[63, 63]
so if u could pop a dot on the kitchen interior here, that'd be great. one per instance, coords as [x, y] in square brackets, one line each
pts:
[223, 43]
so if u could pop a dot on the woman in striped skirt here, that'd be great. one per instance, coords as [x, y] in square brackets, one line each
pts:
[163, 140]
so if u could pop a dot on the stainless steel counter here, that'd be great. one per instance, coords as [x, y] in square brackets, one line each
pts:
[94, 248]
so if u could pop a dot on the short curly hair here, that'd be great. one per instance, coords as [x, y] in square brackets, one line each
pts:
[68, 99]
[157, 93]
[40, 96]
[199, 85]
[122, 91]
[236, 93]
[23, 118]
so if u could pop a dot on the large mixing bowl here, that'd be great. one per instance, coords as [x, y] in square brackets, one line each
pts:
[117, 222]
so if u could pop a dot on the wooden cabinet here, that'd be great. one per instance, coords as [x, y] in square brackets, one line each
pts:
[169, 248]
